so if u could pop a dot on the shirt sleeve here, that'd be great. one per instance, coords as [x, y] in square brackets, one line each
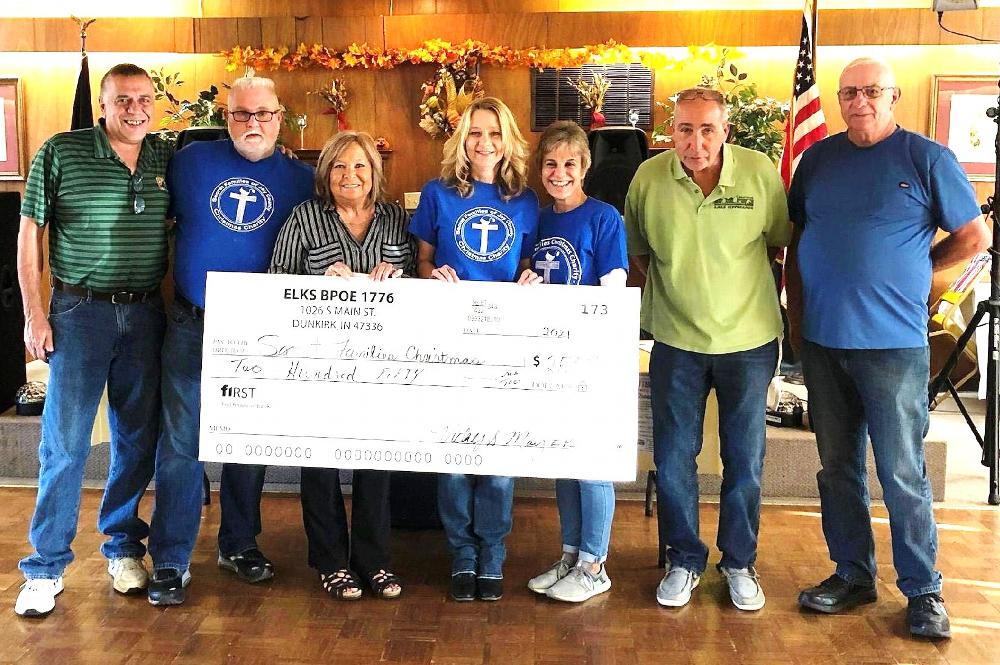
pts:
[953, 200]
[42, 186]
[424, 222]
[610, 246]
[290, 248]
[634, 230]
[778, 232]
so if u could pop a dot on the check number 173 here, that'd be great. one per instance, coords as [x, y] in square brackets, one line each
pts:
[594, 310]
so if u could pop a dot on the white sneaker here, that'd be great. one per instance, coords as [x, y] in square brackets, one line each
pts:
[744, 588]
[579, 585]
[128, 574]
[38, 597]
[559, 570]
[676, 586]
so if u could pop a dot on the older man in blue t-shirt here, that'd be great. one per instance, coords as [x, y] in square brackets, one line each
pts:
[866, 204]
[230, 199]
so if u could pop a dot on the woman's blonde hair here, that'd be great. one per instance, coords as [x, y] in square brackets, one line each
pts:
[568, 133]
[333, 149]
[512, 170]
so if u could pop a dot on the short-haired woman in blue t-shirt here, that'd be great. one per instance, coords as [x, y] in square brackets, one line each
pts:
[581, 241]
[478, 221]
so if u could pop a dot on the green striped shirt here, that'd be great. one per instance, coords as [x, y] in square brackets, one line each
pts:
[81, 188]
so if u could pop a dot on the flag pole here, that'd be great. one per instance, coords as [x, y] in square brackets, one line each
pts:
[84, 23]
[83, 113]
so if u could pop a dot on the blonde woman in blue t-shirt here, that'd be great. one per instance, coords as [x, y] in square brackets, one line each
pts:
[478, 221]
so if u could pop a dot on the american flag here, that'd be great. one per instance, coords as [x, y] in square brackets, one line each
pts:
[806, 124]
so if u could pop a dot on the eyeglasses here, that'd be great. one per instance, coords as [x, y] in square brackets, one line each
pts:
[705, 93]
[260, 116]
[135, 186]
[869, 91]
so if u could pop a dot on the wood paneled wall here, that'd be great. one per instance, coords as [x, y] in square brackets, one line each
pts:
[519, 29]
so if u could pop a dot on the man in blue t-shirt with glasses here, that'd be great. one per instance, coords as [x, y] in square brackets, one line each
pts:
[230, 198]
[866, 204]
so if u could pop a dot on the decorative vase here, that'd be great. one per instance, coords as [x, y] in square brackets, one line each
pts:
[596, 119]
[341, 118]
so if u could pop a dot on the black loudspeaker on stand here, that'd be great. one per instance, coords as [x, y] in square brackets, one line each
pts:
[989, 440]
[615, 154]
[11, 314]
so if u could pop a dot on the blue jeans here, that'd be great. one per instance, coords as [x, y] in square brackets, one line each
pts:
[679, 385]
[477, 514]
[96, 342]
[178, 499]
[586, 508]
[854, 393]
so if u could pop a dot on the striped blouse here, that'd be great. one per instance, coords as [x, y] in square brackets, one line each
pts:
[314, 238]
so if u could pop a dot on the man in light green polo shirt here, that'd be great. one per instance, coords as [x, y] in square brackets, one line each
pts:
[700, 219]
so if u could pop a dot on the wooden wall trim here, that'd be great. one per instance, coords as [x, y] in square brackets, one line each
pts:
[837, 27]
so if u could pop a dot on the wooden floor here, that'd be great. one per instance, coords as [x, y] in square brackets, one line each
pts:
[290, 620]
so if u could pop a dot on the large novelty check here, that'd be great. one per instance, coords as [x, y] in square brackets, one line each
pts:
[420, 375]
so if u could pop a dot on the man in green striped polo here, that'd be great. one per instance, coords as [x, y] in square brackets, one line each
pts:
[102, 194]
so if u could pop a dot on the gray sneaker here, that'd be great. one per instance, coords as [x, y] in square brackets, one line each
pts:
[744, 588]
[579, 585]
[676, 586]
[558, 570]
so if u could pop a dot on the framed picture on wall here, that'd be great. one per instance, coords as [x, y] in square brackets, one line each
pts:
[12, 145]
[959, 121]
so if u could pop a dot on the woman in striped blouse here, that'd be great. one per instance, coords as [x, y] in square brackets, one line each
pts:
[347, 229]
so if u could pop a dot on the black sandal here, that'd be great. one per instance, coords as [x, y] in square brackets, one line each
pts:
[342, 585]
[381, 581]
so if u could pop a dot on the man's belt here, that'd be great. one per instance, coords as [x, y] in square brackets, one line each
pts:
[188, 306]
[115, 297]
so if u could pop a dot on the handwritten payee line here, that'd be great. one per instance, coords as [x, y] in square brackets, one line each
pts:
[351, 360]
[243, 377]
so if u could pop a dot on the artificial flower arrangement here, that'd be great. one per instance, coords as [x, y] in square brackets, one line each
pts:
[592, 96]
[445, 98]
[335, 94]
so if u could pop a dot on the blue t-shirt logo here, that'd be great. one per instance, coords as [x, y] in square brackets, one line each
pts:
[484, 234]
[556, 260]
[242, 204]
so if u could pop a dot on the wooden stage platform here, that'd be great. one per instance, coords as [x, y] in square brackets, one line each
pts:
[290, 620]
